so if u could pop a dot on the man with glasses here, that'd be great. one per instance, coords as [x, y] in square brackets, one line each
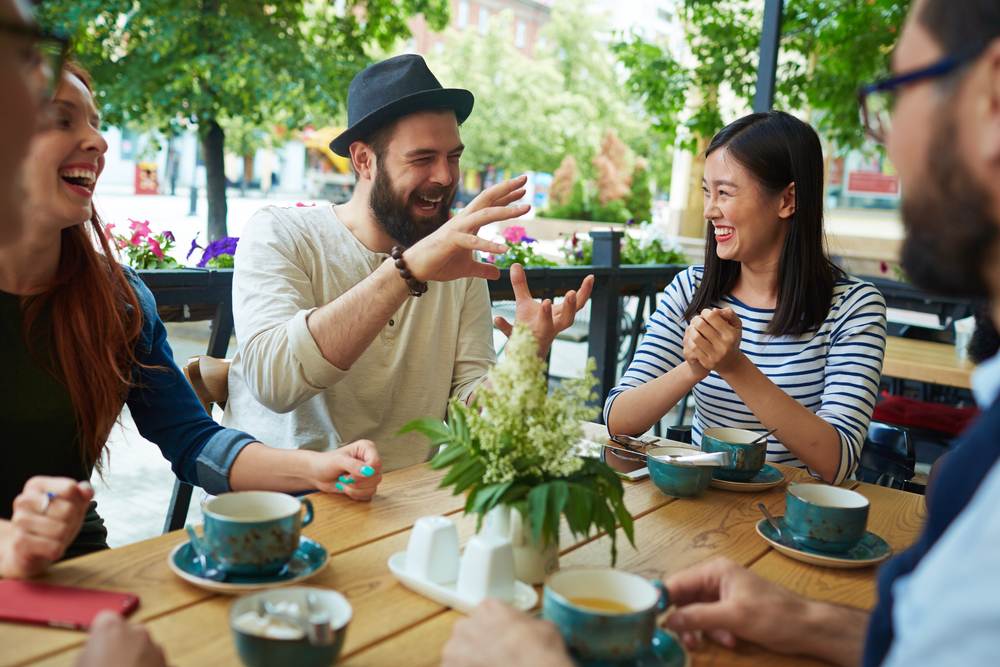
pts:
[30, 63]
[939, 117]
[30, 60]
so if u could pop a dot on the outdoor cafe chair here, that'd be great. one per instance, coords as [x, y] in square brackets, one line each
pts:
[210, 379]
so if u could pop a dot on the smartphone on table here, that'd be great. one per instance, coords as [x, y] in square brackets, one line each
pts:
[59, 606]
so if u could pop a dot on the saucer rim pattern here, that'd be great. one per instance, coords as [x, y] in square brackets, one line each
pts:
[642, 660]
[233, 588]
[811, 558]
[751, 486]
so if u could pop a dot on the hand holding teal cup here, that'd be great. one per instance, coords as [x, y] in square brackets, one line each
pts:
[604, 614]
[748, 456]
[825, 518]
[253, 533]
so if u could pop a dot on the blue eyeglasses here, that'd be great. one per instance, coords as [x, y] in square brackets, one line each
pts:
[876, 100]
[44, 51]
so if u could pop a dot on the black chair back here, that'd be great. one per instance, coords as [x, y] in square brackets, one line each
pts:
[888, 457]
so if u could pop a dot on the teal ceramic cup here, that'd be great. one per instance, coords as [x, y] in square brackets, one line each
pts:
[748, 458]
[592, 633]
[825, 518]
[253, 533]
[677, 479]
[263, 641]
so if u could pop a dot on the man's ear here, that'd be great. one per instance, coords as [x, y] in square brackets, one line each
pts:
[987, 107]
[362, 159]
[787, 206]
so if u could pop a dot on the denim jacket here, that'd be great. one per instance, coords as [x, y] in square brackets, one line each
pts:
[167, 411]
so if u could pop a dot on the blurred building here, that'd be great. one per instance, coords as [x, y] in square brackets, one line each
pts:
[529, 17]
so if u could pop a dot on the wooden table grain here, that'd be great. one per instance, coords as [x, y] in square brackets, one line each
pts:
[924, 361]
[392, 625]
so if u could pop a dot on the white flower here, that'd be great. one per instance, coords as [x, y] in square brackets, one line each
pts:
[521, 430]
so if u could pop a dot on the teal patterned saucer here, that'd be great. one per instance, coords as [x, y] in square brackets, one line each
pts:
[871, 550]
[308, 559]
[664, 651]
[767, 478]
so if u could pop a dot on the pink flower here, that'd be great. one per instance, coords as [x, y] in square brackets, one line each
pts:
[107, 230]
[299, 204]
[141, 229]
[137, 238]
[154, 245]
[515, 234]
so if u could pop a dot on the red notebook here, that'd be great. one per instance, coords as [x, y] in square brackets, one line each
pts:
[59, 606]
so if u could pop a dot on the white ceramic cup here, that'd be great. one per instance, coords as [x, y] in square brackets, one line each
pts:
[432, 552]
[487, 569]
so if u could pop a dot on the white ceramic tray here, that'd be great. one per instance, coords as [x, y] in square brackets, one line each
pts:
[525, 597]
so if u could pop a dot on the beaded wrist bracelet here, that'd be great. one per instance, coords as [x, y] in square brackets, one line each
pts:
[417, 288]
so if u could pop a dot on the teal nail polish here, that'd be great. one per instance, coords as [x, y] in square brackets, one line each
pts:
[367, 471]
[346, 480]
[340, 487]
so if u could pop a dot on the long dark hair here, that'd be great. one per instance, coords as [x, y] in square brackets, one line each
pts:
[779, 149]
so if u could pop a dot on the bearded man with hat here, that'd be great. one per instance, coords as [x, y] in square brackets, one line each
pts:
[352, 320]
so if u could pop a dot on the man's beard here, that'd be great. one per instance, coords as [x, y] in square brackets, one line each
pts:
[950, 231]
[392, 211]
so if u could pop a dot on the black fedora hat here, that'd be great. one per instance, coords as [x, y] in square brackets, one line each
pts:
[393, 88]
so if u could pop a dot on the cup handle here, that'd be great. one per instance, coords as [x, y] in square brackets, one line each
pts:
[664, 601]
[196, 543]
[308, 518]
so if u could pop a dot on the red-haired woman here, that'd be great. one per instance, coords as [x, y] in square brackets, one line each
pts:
[80, 338]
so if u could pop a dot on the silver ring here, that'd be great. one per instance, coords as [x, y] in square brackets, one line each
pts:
[46, 501]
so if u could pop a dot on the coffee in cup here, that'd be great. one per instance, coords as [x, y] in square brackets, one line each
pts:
[604, 614]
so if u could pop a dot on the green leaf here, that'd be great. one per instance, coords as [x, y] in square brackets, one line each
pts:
[488, 496]
[537, 502]
[470, 475]
[558, 496]
[625, 521]
[457, 422]
[449, 455]
[458, 473]
[579, 508]
[471, 500]
[435, 429]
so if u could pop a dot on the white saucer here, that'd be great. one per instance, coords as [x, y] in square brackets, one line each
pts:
[525, 597]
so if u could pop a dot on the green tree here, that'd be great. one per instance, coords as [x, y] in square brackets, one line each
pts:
[245, 139]
[580, 42]
[828, 49]
[532, 112]
[523, 120]
[640, 198]
[173, 63]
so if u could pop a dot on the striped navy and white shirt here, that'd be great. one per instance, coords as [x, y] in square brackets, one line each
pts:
[833, 371]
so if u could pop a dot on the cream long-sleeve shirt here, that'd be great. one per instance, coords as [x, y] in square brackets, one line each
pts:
[291, 261]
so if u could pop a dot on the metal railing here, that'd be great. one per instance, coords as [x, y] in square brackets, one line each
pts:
[200, 294]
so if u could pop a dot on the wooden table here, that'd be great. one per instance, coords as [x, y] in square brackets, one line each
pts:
[392, 625]
[924, 361]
